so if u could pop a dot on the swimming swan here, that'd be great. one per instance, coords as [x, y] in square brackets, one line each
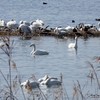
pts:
[32, 84]
[51, 82]
[73, 45]
[38, 52]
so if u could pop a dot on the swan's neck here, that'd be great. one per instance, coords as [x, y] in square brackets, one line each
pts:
[75, 42]
[34, 47]
[47, 81]
[27, 82]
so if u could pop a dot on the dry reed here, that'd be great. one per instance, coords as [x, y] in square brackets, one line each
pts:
[11, 88]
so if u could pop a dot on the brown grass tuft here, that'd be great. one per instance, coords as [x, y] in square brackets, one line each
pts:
[28, 87]
[13, 64]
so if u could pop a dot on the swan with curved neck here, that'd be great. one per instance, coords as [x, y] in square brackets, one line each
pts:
[51, 82]
[73, 45]
[32, 84]
[38, 52]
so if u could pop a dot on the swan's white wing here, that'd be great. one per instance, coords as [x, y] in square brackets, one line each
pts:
[23, 83]
[71, 45]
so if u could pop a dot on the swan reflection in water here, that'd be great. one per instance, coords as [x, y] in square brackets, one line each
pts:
[75, 50]
[73, 45]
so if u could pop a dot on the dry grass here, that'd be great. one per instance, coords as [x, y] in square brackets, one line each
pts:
[50, 32]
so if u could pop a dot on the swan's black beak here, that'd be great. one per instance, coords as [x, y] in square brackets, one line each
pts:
[31, 44]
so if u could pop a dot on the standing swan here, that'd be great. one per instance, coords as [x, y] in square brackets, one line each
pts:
[73, 45]
[38, 52]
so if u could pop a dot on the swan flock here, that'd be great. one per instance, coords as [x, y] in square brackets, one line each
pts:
[35, 26]
[47, 81]
[23, 27]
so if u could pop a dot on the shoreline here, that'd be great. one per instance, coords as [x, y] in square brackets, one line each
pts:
[51, 32]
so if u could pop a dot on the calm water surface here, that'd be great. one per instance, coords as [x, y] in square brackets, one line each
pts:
[69, 62]
[60, 60]
[55, 13]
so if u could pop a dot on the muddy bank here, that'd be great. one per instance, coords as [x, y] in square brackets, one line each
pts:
[50, 32]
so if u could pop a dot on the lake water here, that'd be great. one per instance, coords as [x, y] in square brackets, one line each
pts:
[69, 62]
[55, 13]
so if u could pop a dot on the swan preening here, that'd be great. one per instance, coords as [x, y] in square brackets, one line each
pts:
[49, 81]
[32, 27]
[99, 26]
[73, 45]
[36, 25]
[43, 78]
[24, 27]
[24, 22]
[38, 52]
[45, 81]
[61, 31]
[32, 84]
[12, 24]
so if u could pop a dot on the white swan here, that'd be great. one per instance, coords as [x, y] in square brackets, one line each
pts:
[99, 26]
[2, 44]
[40, 22]
[69, 29]
[2, 23]
[38, 52]
[24, 29]
[36, 25]
[24, 22]
[41, 80]
[32, 84]
[73, 45]
[60, 31]
[49, 82]
[12, 24]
